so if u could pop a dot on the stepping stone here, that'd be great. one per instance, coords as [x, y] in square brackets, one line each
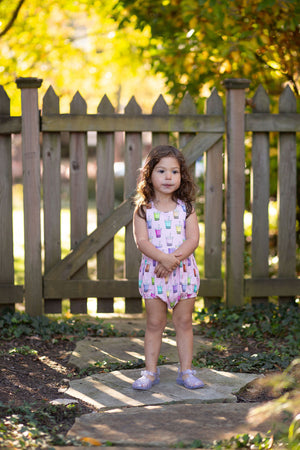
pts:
[161, 426]
[123, 349]
[114, 390]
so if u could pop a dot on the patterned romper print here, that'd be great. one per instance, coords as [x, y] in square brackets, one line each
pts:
[166, 231]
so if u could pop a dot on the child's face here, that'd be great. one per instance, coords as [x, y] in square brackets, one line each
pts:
[166, 176]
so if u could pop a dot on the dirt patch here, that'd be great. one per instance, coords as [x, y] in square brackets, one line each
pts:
[34, 371]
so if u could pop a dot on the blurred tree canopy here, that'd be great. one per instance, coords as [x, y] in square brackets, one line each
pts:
[73, 45]
[113, 46]
[197, 43]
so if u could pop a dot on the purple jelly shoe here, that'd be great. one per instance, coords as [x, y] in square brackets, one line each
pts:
[189, 382]
[145, 383]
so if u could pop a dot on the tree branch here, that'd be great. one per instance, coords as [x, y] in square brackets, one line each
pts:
[13, 18]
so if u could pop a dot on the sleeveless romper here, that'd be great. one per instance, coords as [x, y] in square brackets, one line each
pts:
[166, 230]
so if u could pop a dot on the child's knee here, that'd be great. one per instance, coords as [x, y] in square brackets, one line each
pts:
[156, 324]
[184, 322]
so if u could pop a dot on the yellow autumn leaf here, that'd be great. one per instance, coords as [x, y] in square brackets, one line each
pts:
[247, 68]
[235, 56]
[91, 441]
[265, 39]
[226, 66]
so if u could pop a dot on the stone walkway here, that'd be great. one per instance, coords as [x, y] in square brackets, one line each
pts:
[166, 415]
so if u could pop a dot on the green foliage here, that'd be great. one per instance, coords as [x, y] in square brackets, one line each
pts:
[16, 325]
[274, 329]
[260, 322]
[197, 43]
[245, 441]
[24, 427]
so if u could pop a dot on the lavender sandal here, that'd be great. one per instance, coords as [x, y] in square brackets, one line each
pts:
[190, 382]
[145, 383]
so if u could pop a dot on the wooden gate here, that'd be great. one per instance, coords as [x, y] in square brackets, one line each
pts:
[67, 278]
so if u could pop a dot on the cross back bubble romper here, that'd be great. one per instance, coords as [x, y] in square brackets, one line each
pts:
[166, 230]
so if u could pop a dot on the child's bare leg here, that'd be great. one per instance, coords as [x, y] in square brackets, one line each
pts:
[156, 311]
[182, 320]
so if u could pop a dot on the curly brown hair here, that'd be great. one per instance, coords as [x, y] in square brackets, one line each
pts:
[145, 192]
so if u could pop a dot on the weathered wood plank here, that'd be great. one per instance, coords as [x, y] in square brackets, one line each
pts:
[121, 216]
[117, 288]
[133, 161]
[198, 145]
[10, 293]
[213, 202]
[6, 226]
[160, 108]
[105, 196]
[260, 191]
[187, 106]
[264, 287]
[144, 122]
[51, 196]
[78, 194]
[10, 124]
[266, 122]
[31, 194]
[286, 195]
[235, 191]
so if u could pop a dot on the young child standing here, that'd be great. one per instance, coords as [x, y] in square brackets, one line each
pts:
[166, 232]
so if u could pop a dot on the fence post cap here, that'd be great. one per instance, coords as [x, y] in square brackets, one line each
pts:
[28, 82]
[236, 83]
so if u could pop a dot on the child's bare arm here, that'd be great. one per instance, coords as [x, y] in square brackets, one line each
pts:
[192, 238]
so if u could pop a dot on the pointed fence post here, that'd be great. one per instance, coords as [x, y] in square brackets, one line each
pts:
[78, 194]
[6, 224]
[105, 197]
[51, 196]
[286, 195]
[133, 161]
[260, 192]
[235, 190]
[160, 108]
[31, 193]
[213, 202]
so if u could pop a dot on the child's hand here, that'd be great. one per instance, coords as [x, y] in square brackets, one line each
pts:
[168, 263]
[161, 271]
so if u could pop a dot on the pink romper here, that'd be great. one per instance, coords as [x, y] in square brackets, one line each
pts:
[166, 231]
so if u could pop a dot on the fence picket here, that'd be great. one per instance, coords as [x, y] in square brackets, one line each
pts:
[105, 196]
[260, 192]
[133, 161]
[160, 108]
[6, 230]
[78, 194]
[213, 202]
[51, 195]
[286, 194]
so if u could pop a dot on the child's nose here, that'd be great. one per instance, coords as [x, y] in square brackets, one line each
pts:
[168, 175]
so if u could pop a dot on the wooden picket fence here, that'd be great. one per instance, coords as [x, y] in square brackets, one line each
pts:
[197, 135]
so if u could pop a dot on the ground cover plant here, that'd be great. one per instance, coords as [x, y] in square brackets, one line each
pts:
[34, 355]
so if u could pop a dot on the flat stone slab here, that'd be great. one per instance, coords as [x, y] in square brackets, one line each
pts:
[114, 389]
[164, 425]
[123, 349]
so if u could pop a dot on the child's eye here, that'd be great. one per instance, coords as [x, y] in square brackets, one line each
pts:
[160, 171]
[175, 171]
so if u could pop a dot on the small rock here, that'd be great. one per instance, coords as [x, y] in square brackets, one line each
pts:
[63, 401]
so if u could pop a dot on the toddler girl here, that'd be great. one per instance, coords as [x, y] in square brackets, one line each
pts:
[166, 231]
